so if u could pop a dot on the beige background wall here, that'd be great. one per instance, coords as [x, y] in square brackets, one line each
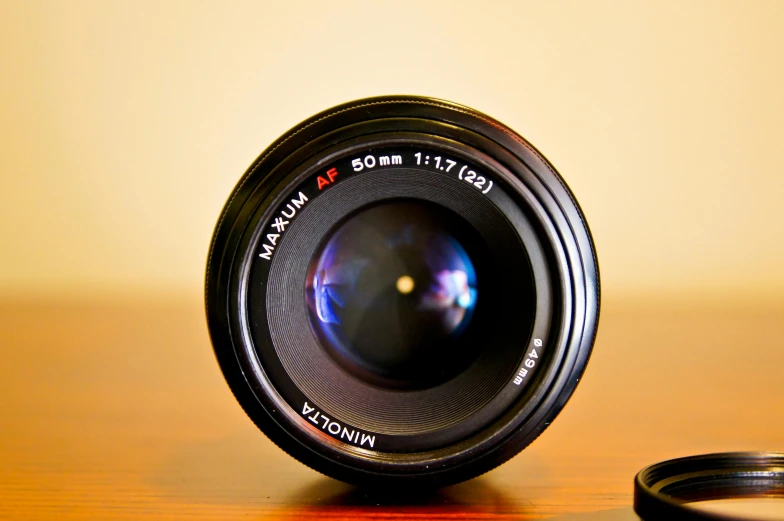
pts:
[124, 125]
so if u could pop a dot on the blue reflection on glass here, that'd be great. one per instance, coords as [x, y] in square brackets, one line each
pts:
[360, 264]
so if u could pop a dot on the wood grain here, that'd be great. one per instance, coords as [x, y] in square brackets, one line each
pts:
[119, 411]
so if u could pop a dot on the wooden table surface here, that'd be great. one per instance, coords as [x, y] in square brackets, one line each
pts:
[119, 411]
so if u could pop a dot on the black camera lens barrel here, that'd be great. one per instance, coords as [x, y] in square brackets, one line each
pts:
[479, 393]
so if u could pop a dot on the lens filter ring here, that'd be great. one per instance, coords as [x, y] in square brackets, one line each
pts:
[666, 490]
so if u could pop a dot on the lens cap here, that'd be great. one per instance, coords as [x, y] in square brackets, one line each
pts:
[725, 486]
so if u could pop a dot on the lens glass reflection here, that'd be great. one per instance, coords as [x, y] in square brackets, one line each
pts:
[392, 291]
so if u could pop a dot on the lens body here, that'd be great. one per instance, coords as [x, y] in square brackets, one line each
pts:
[402, 290]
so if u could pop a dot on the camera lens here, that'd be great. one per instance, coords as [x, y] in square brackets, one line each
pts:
[393, 290]
[401, 290]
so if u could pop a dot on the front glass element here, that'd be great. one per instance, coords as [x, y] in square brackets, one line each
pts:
[392, 292]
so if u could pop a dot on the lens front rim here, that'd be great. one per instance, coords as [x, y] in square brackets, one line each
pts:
[530, 173]
[542, 276]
